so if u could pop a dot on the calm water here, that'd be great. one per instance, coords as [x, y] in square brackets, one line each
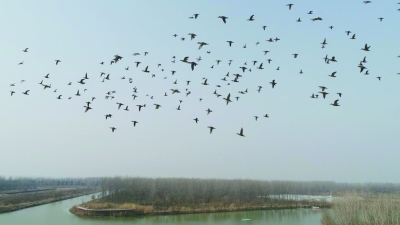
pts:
[57, 213]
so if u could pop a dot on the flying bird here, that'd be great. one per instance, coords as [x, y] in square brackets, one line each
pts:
[241, 132]
[201, 44]
[223, 18]
[211, 128]
[273, 83]
[335, 103]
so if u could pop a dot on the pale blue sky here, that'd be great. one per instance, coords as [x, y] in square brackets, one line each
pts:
[304, 138]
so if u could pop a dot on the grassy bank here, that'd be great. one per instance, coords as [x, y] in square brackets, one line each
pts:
[97, 208]
[364, 209]
[22, 200]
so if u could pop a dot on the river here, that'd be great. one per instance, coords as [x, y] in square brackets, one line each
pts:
[58, 213]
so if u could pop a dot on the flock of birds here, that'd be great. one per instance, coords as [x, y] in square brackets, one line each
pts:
[254, 65]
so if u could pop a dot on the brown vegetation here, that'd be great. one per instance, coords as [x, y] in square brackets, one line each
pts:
[364, 209]
[139, 196]
[13, 202]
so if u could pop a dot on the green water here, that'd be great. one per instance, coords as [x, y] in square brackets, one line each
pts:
[57, 213]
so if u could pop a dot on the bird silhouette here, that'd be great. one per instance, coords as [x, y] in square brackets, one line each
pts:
[241, 132]
[223, 18]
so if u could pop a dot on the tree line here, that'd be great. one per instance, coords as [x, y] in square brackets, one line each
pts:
[9, 184]
[183, 192]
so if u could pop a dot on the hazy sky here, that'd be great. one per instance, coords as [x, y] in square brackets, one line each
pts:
[303, 138]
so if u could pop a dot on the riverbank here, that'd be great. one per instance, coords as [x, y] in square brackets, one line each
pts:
[96, 208]
[14, 202]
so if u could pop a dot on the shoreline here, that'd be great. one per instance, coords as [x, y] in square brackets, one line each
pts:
[99, 213]
[26, 205]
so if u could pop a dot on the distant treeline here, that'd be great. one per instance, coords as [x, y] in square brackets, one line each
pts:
[8, 184]
[167, 192]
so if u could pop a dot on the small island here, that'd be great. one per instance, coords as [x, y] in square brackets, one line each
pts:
[165, 196]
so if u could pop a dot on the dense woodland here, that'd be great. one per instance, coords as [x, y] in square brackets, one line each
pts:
[10, 184]
[164, 193]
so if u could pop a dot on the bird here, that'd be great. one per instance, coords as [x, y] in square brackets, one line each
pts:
[113, 129]
[119, 105]
[223, 18]
[25, 50]
[192, 36]
[335, 103]
[379, 78]
[211, 128]
[140, 106]
[290, 6]
[323, 93]
[230, 43]
[322, 88]
[57, 61]
[208, 111]
[157, 106]
[26, 92]
[340, 94]
[12, 92]
[146, 70]
[201, 44]
[134, 122]
[251, 18]
[87, 108]
[332, 74]
[273, 83]
[241, 132]
[228, 99]
[264, 27]
[196, 120]
[77, 93]
[380, 19]
[366, 48]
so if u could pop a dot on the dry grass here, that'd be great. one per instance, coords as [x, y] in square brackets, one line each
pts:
[364, 209]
